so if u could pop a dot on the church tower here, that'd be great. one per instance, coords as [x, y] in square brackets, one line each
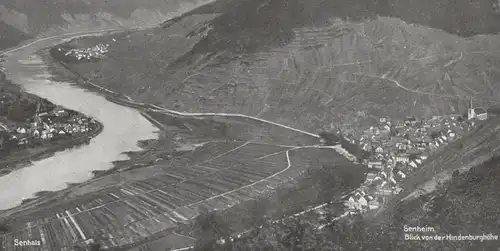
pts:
[470, 112]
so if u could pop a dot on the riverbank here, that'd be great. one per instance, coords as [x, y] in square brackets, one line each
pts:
[24, 157]
[120, 130]
[10, 165]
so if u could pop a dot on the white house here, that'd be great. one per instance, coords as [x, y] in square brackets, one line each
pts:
[393, 180]
[352, 204]
[397, 190]
[477, 113]
[373, 205]
[22, 141]
[362, 202]
[383, 183]
[413, 164]
[402, 158]
[375, 164]
[370, 177]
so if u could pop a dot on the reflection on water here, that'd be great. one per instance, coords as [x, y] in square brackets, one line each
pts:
[123, 128]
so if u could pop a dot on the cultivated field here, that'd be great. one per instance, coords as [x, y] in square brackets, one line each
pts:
[226, 169]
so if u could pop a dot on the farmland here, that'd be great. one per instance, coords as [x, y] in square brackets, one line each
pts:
[295, 69]
[226, 169]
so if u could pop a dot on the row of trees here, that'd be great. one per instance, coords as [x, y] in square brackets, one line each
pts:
[334, 139]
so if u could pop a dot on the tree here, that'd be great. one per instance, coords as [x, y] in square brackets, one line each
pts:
[95, 246]
[21, 110]
[4, 228]
[412, 157]
[210, 229]
[434, 134]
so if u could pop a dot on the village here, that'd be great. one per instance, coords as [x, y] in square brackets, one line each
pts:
[398, 148]
[95, 52]
[27, 123]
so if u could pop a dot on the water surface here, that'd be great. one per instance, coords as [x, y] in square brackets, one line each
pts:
[123, 128]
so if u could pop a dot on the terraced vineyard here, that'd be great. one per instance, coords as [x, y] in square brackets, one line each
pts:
[326, 76]
[239, 161]
[137, 209]
[292, 71]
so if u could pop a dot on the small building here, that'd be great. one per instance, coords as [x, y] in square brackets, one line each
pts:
[370, 177]
[403, 158]
[374, 204]
[393, 181]
[384, 192]
[375, 165]
[362, 201]
[397, 190]
[379, 149]
[413, 164]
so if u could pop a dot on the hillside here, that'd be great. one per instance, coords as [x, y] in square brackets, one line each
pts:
[10, 36]
[466, 205]
[52, 17]
[300, 64]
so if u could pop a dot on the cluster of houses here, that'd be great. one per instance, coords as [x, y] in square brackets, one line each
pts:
[95, 52]
[52, 125]
[398, 148]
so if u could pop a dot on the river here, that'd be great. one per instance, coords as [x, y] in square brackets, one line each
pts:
[123, 128]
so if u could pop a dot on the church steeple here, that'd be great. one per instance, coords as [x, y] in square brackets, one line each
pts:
[470, 112]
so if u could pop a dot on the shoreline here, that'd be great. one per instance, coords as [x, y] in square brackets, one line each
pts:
[51, 150]
[42, 197]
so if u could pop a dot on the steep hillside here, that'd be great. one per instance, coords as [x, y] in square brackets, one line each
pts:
[52, 17]
[301, 63]
[475, 149]
[10, 36]
[467, 205]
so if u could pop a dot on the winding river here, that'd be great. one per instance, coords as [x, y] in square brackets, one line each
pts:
[123, 128]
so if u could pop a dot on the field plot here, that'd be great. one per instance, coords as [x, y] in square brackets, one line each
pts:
[139, 208]
[212, 128]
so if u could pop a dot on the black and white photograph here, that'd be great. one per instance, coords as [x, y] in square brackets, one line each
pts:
[249, 125]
